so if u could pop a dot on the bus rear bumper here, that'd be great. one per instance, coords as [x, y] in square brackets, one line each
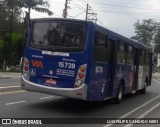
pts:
[77, 93]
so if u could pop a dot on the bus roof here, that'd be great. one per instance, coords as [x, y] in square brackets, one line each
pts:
[101, 28]
[118, 36]
[58, 19]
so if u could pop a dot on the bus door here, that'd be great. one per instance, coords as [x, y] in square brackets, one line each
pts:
[97, 87]
[135, 69]
[110, 67]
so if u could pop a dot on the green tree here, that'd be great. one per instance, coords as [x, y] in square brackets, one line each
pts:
[145, 31]
[4, 18]
[13, 8]
[148, 32]
[11, 32]
[157, 39]
[38, 5]
[11, 52]
[11, 27]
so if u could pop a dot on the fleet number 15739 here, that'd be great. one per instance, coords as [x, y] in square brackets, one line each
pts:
[66, 65]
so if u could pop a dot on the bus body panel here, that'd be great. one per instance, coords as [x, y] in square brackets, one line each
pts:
[77, 93]
[56, 72]
[60, 69]
[141, 77]
[97, 84]
[46, 75]
[123, 72]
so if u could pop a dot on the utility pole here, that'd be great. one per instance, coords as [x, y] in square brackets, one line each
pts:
[65, 9]
[87, 12]
[89, 15]
[94, 17]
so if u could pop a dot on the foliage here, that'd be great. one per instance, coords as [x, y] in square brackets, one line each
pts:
[148, 33]
[4, 16]
[12, 29]
[157, 39]
[38, 5]
[157, 48]
[1, 43]
[145, 31]
[11, 52]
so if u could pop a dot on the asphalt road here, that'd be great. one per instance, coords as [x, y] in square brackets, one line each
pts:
[24, 104]
[9, 79]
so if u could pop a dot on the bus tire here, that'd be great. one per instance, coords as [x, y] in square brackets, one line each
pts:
[143, 91]
[119, 96]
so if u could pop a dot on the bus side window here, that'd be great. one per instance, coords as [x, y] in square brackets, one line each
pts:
[100, 47]
[129, 54]
[142, 57]
[120, 52]
[147, 58]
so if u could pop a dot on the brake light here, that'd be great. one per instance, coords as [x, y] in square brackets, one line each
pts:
[26, 68]
[81, 74]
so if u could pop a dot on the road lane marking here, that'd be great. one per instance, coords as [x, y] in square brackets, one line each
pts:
[46, 97]
[8, 84]
[15, 103]
[157, 80]
[12, 92]
[143, 105]
[145, 114]
[134, 110]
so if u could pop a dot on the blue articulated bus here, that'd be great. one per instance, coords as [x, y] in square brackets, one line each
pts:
[82, 60]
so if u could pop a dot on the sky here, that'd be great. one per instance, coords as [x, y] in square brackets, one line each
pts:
[116, 15]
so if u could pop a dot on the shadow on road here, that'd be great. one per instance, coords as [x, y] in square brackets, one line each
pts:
[66, 105]
[79, 108]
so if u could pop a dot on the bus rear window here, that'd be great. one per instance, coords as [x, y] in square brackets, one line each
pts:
[58, 36]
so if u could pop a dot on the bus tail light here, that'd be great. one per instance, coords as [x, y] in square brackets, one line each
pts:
[26, 68]
[82, 69]
[25, 61]
[81, 74]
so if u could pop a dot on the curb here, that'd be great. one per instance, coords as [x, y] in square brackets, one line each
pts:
[10, 88]
[5, 77]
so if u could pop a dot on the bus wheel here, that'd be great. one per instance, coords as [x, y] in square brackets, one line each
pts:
[119, 96]
[143, 91]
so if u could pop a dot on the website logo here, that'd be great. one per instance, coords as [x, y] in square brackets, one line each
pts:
[6, 121]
